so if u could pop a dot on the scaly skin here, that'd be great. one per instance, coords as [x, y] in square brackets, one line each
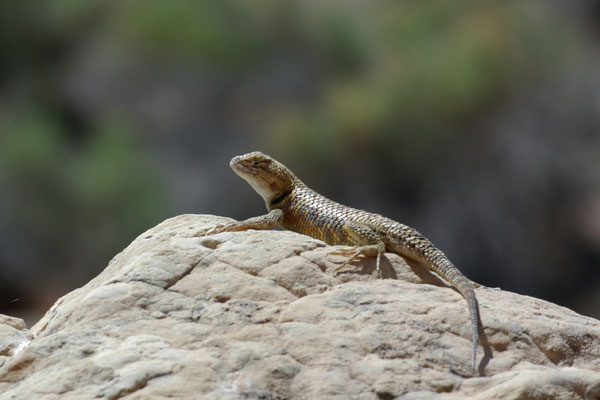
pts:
[296, 207]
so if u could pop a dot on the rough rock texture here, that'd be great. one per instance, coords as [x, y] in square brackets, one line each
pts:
[14, 336]
[259, 314]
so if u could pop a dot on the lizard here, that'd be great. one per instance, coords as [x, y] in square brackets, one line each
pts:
[294, 206]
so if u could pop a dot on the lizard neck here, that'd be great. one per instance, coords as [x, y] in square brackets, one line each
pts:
[282, 198]
[279, 199]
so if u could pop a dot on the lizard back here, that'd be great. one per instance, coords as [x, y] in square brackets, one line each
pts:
[310, 213]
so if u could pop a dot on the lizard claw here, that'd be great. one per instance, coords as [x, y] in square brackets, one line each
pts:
[352, 253]
[222, 228]
[342, 252]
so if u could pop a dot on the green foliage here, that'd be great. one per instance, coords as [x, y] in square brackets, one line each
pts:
[95, 195]
[387, 75]
[31, 165]
[425, 68]
[114, 180]
[31, 148]
[219, 34]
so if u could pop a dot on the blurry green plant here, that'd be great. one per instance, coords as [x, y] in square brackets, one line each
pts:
[114, 179]
[223, 34]
[425, 69]
[396, 79]
[96, 195]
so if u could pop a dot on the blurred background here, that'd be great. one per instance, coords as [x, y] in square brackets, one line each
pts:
[476, 122]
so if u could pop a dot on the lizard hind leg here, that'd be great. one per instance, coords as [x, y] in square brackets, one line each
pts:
[369, 244]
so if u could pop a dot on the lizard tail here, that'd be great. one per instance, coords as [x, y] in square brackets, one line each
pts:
[466, 289]
[444, 267]
[437, 261]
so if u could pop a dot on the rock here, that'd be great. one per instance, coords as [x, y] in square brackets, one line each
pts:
[259, 314]
[14, 336]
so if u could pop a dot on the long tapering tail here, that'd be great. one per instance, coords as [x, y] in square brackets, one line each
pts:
[426, 253]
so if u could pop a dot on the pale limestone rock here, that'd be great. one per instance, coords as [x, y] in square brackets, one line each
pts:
[259, 314]
[14, 336]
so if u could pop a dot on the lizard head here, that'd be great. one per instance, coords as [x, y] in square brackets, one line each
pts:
[267, 176]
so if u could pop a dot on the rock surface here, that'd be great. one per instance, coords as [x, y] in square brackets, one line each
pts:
[259, 314]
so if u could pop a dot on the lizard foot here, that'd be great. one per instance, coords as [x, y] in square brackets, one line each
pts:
[230, 227]
[352, 253]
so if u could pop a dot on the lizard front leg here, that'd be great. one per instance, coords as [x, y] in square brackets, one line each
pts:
[369, 244]
[270, 220]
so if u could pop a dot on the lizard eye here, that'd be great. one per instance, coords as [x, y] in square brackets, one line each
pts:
[256, 163]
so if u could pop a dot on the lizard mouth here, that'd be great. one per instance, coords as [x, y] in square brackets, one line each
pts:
[239, 167]
[234, 162]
